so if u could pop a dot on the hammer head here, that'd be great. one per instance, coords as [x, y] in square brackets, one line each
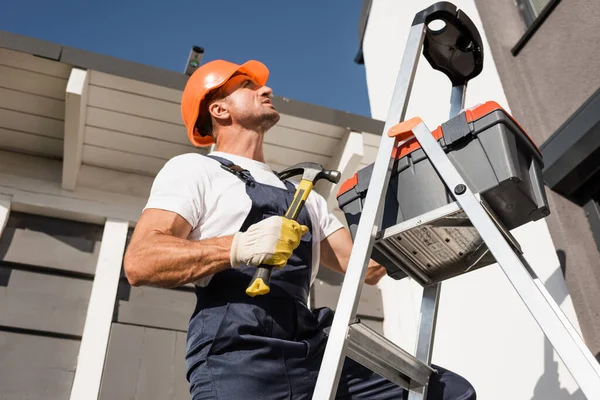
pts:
[311, 172]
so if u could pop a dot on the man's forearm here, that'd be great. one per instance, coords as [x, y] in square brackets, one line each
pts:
[374, 273]
[335, 254]
[168, 261]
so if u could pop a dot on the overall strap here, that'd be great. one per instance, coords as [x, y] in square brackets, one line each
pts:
[244, 174]
[289, 185]
[236, 170]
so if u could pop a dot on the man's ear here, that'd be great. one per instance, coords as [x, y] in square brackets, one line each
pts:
[219, 110]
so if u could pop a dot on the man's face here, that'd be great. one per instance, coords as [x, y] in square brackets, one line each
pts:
[249, 104]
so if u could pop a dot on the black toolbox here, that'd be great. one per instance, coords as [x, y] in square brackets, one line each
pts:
[491, 151]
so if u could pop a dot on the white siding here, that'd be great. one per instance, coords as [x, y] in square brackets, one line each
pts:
[31, 103]
[485, 333]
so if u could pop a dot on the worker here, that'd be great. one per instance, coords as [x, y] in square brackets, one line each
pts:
[212, 219]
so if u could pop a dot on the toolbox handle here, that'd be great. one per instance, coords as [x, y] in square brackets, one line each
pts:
[455, 48]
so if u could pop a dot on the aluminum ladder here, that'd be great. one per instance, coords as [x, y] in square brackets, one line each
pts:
[349, 338]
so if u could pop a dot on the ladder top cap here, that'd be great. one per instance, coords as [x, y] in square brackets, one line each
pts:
[403, 130]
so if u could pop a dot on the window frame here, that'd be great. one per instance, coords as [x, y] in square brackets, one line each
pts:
[533, 24]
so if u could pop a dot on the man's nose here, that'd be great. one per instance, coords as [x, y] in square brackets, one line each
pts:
[266, 91]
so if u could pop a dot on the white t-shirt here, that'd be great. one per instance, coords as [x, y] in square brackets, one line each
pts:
[214, 201]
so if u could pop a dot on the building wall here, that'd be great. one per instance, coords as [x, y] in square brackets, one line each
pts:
[485, 333]
[46, 274]
[115, 123]
[48, 265]
[545, 83]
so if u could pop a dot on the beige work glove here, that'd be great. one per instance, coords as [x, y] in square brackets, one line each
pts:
[270, 241]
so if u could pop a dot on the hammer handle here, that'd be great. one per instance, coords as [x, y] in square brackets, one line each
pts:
[261, 280]
[302, 192]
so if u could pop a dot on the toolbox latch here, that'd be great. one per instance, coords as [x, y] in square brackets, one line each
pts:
[455, 129]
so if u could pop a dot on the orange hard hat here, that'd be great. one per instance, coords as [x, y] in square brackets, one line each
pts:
[209, 77]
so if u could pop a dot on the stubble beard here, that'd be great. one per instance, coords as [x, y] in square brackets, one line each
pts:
[269, 119]
[262, 121]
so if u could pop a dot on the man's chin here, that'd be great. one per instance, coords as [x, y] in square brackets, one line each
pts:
[272, 116]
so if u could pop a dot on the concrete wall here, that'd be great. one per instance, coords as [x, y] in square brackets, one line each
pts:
[485, 333]
[545, 83]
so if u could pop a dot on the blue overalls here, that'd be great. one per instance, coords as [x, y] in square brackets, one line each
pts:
[268, 347]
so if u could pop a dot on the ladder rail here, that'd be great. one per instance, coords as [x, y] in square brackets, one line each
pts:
[557, 328]
[333, 359]
[427, 323]
[560, 332]
[430, 300]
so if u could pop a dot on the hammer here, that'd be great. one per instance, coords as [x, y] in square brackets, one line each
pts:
[311, 173]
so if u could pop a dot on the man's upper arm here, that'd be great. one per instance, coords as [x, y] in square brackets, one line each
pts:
[336, 249]
[326, 221]
[336, 243]
[174, 205]
[156, 221]
[179, 188]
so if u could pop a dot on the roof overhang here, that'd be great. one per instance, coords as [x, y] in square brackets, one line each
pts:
[99, 115]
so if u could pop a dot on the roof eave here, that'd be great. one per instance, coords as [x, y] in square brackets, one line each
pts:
[175, 80]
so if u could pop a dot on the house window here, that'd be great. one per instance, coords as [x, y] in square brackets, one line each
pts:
[531, 9]
[534, 13]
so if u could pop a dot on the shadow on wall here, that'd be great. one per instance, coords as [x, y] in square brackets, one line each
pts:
[556, 282]
[43, 231]
[548, 387]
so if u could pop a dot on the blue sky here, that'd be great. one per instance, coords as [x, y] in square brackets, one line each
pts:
[309, 46]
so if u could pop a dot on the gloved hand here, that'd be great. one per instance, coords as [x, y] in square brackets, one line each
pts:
[270, 241]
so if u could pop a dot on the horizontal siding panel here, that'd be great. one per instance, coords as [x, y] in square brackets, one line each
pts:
[30, 144]
[369, 155]
[277, 167]
[30, 62]
[116, 121]
[371, 140]
[60, 244]
[327, 295]
[312, 126]
[35, 124]
[40, 301]
[155, 307]
[180, 388]
[326, 292]
[32, 104]
[36, 367]
[135, 144]
[144, 363]
[136, 87]
[32, 82]
[281, 156]
[27, 167]
[121, 161]
[109, 180]
[302, 140]
[134, 104]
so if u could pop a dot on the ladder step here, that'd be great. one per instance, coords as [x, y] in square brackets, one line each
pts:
[439, 245]
[375, 352]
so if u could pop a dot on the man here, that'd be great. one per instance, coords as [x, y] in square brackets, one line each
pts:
[212, 219]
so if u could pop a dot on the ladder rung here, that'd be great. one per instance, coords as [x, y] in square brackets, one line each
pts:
[375, 352]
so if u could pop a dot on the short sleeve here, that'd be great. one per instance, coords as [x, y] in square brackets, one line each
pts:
[328, 222]
[178, 187]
